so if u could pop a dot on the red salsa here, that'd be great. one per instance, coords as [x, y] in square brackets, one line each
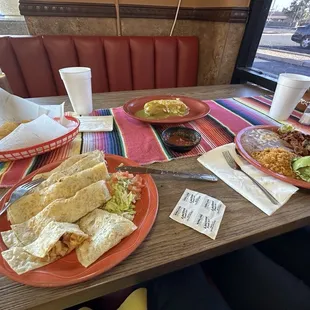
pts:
[175, 139]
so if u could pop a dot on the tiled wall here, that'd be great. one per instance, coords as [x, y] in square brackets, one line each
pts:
[219, 42]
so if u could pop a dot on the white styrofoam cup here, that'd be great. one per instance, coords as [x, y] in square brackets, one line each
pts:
[77, 81]
[290, 89]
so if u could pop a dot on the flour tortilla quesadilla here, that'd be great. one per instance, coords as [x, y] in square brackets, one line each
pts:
[55, 241]
[30, 205]
[9, 238]
[67, 163]
[67, 210]
[91, 160]
[106, 230]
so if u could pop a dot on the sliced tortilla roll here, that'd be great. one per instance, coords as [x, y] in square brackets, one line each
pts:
[55, 241]
[106, 230]
[9, 238]
[91, 160]
[21, 261]
[30, 205]
[67, 210]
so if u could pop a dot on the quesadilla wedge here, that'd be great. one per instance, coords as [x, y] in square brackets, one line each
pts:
[30, 205]
[67, 210]
[67, 163]
[106, 230]
[91, 160]
[9, 238]
[55, 241]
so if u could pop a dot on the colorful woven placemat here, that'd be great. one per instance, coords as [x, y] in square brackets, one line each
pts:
[142, 142]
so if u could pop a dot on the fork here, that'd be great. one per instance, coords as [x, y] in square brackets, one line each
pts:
[21, 191]
[233, 164]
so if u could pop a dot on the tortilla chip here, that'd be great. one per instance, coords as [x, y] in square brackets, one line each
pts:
[30, 205]
[7, 128]
[63, 210]
[106, 230]
[91, 160]
[9, 238]
[21, 261]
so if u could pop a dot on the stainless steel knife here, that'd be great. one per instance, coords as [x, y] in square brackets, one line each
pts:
[184, 175]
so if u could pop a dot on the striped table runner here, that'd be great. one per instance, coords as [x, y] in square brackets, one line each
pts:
[142, 143]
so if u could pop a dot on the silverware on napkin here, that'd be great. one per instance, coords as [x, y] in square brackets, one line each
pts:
[233, 164]
[184, 175]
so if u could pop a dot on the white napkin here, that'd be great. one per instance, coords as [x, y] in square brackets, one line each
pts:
[95, 123]
[16, 109]
[214, 161]
[35, 132]
[55, 110]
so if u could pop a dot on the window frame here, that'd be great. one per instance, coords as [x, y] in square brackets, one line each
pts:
[244, 72]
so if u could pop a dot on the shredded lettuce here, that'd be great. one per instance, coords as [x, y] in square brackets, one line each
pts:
[122, 201]
[286, 128]
[302, 167]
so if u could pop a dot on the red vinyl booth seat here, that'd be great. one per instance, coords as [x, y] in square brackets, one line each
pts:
[31, 63]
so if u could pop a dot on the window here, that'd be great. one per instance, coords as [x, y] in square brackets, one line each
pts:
[276, 40]
[9, 8]
[11, 22]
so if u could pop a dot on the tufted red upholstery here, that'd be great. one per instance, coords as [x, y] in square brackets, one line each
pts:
[117, 63]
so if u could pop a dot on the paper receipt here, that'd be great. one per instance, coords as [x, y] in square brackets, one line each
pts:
[200, 212]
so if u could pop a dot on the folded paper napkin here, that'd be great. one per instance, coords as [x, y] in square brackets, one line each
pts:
[95, 123]
[214, 161]
[38, 126]
[16, 109]
[40, 130]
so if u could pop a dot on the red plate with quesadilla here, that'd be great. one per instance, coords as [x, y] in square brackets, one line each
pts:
[68, 270]
[166, 109]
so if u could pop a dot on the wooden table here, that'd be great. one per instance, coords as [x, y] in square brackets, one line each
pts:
[169, 246]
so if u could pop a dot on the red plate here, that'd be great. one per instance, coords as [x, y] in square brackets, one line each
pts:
[68, 270]
[251, 160]
[197, 109]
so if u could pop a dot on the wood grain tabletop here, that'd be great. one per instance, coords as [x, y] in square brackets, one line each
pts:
[169, 246]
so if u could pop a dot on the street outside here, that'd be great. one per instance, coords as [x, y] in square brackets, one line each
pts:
[277, 53]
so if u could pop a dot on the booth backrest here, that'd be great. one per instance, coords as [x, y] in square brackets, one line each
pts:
[31, 63]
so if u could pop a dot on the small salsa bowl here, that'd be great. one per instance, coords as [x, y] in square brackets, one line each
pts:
[181, 139]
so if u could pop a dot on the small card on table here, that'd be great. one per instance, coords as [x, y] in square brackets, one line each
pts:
[200, 212]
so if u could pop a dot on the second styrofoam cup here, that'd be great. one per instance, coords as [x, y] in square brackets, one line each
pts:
[290, 89]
